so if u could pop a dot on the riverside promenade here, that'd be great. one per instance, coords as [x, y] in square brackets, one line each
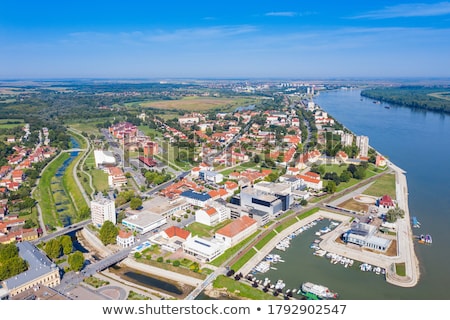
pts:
[405, 242]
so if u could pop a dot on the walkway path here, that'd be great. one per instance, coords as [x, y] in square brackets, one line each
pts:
[75, 176]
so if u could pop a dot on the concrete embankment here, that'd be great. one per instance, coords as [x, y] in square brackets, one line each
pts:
[405, 243]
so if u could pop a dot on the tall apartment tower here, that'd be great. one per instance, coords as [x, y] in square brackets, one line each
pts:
[362, 142]
[346, 139]
[103, 209]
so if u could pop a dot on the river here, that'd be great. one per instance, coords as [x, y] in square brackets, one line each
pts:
[417, 141]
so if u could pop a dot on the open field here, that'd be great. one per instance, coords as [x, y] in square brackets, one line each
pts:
[440, 95]
[354, 205]
[152, 133]
[10, 123]
[198, 103]
[383, 185]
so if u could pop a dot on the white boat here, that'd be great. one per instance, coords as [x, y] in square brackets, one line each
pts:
[319, 253]
[325, 230]
[280, 285]
[317, 290]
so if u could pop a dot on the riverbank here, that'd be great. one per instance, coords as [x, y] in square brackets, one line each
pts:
[404, 239]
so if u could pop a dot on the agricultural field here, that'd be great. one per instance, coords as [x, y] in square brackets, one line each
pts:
[10, 123]
[199, 103]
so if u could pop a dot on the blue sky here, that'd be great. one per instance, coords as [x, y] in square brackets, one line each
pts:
[229, 39]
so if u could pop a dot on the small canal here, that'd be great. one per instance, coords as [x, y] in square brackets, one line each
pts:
[62, 199]
[151, 281]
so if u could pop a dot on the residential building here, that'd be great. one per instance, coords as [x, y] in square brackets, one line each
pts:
[213, 214]
[116, 177]
[171, 239]
[196, 198]
[362, 142]
[236, 231]
[125, 239]
[346, 139]
[103, 209]
[311, 180]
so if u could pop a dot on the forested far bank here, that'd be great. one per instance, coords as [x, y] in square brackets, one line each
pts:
[428, 98]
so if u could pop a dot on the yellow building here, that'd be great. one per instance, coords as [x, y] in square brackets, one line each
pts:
[41, 271]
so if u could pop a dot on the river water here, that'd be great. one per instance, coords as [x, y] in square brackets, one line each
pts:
[417, 141]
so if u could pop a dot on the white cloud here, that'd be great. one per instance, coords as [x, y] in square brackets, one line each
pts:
[282, 14]
[408, 10]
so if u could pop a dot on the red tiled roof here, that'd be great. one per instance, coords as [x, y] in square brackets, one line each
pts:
[124, 234]
[236, 227]
[175, 231]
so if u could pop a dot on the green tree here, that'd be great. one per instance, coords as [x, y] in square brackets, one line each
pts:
[331, 187]
[53, 248]
[345, 176]
[393, 214]
[108, 233]
[8, 251]
[67, 245]
[84, 213]
[76, 261]
[135, 203]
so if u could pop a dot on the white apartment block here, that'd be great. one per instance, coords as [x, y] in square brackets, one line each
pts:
[103, 209]
[362, 142]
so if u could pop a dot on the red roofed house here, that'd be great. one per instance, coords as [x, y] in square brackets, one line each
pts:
[386, 202]
[176, 233]
[292, 171]
[380, 161]
[116, 177]
[311, 180]
[341, 156]
[219, 193]
[212, 216]
[17, 176]
[231, 186]
[171, 239]
[125, 238]
[237, 230]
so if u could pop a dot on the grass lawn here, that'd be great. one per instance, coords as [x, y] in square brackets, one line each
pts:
[99, 180]
[244, 259]
[71, 188]
[90, 160]
[232, 251]
[95, 282]
[334, 168]
[85, 185]
[204, 231]
[400, 269]
[265, 240]
[241, 289]
[44, 192]
[136, 296]
[152, 133]
[383, 185]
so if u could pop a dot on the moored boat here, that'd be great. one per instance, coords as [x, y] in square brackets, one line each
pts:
[317, 290]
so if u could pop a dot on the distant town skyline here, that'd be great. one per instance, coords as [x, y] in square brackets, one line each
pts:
[232, 39]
